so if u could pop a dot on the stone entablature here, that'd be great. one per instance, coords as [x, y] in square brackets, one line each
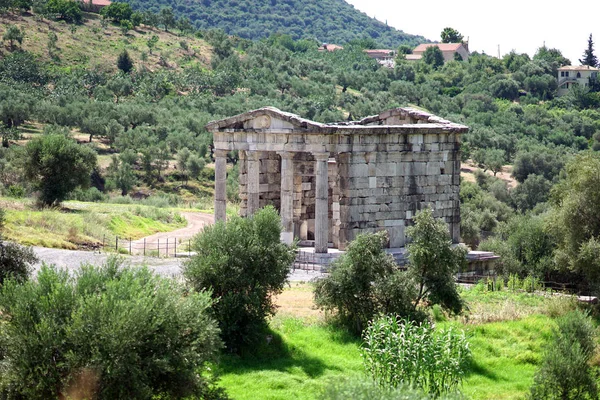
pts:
[334, 181]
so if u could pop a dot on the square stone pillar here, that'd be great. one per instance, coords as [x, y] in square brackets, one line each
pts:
[321, 203]
[287, 196]
[220, 184]
[253, 180]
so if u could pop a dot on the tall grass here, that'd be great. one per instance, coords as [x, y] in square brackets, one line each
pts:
[399, 352]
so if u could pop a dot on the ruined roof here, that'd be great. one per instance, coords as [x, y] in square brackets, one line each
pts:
[405, 117]
[442, 46]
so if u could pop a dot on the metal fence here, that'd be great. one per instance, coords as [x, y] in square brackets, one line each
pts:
[168, 247]
[528, 284]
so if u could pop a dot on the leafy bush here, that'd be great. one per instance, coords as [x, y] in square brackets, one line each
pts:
[15, 260]
[565, 372]
[244, 264]
[400, 352]
[365, 281]
[56, 165]
[90, 194]
[106, 332]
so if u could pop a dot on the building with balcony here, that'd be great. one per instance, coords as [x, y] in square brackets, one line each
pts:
[570, 75]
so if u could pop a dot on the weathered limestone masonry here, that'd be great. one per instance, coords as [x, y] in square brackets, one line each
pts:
[331, 182]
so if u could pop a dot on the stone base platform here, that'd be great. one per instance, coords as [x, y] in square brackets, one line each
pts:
[479, 262]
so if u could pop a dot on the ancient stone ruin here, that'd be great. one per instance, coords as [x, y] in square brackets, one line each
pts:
[331, 182]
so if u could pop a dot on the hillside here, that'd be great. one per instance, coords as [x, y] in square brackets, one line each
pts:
[94, 46]
[330, 21]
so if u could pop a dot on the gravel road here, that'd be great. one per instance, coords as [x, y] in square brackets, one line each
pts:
[171, 267]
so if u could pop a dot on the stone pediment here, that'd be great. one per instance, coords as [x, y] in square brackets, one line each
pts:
[266, 118]
[273, 119]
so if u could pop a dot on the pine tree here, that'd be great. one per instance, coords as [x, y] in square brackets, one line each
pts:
[589, 58]
[124, 62]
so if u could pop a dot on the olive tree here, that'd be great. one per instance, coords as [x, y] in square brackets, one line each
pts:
[56, 165]
[243, 264]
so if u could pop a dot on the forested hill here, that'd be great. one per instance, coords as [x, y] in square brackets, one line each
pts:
[329, 21]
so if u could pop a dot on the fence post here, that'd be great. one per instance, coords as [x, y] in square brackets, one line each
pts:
[144, 247]
[130, 247]
[167, 247]
[175, 253]
[117, 244]
[158, 246]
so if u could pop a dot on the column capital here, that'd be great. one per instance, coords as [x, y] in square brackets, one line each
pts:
[253, 155]
[321, 156]
[288, 155]
[221, 152]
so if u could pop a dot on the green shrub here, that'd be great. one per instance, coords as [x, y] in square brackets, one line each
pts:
[90, 194]
[106, 332]
[244, 264]
[15, 260]
[366, 281]
[565, 372]
[400, 352]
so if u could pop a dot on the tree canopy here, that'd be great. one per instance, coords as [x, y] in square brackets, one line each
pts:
[451, 35]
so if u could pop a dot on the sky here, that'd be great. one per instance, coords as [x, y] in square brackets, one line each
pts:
[522, 26]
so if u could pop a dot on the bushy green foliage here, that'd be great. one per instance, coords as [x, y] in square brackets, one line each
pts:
[401, 352]
[433, 261]
[56, 165]
[330, 21]
[117, 12]
[15, 260]
[244, 264]
[67, 10]
[575, 219]
[365, 280]
[433, 56]
[565, 372]
[107, 332]
[124, 62]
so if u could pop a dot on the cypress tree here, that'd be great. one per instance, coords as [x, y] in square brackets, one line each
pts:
[589, 58]
[124, 62]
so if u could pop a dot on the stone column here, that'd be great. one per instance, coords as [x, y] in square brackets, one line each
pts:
[253, 181]
[220, 184]
[321, 203]
[287, 196]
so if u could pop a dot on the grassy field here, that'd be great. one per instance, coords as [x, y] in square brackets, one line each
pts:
[84, 225]
[90, 45]
[307, 353]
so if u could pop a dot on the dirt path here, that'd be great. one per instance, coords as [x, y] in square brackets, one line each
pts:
[196, 221]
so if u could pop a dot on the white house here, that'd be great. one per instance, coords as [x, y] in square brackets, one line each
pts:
[570, 75]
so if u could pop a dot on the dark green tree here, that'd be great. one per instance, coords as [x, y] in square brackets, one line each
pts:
[167, 18]
[13, 35]
[433, 56]
[124, 62]
[67, 10]
[151, 43]
[117, 12]
[451, 35]
[575, 220]
[56, 165]
[589, 58]
[433, 262]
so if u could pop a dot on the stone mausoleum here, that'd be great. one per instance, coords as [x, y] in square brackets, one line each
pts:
[331, 182]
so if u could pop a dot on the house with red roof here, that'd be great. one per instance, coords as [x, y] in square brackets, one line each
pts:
[448, 50]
